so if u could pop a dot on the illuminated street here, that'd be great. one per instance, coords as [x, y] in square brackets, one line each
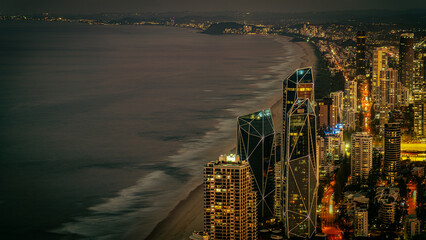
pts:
[366, 106]
[412, 198]
[329, 214]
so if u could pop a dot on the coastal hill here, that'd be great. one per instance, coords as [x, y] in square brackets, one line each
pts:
[221, 28]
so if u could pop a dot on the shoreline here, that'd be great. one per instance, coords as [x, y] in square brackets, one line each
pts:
[187, 215]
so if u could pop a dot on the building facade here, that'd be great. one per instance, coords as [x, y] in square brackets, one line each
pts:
[323, 167]
[360, 53]
[351, 95]
[327, 112]
[255, 144]
[361, 156]
[390, 89]
[361, 223]
[380, 63]
[392, 145]
[419, 74]
[411, 227]
[387, 198]
[299, 171]
[406, 59]
[302, 171]
[419, 108]
[338, 101]
[229, 200]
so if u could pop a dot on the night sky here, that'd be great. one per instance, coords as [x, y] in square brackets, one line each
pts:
[96, 6]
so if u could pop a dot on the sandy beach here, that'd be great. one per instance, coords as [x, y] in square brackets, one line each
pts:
[187, 215]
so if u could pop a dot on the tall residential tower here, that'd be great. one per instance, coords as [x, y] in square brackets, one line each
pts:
[229, 200]
[361, 156]
[360, 53]
[406, 60]
[392, 151]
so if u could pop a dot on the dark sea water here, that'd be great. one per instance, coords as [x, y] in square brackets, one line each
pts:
[106, 126]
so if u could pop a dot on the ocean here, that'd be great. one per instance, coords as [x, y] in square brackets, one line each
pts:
[103, 127]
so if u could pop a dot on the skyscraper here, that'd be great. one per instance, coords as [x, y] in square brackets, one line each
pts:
[419, 75]
[419, 108]
[350, 109]
[300, 168]
[255, 137]
[390, 91]
[392, 151]
[390, 95]
[351, 95]
[339, 104]
[360, 53]
[361, 156]
[229, 200]
[323, 165]
[406, 60]
[380, 63]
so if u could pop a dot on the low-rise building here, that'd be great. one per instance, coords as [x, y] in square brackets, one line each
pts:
[387, 197]
[411, 227]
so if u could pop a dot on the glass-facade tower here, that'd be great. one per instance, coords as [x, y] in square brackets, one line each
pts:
[299, 185]
[255, 143]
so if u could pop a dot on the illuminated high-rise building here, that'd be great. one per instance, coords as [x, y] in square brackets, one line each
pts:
[350, 107]
[229, 200]
[278, 207]
[322, 159]
[411, 227]
[380, 63]
[338, 102]
[392, 151]
[278, 177]
[351, 119]
[335, 146]
[329, 150]
[388, 97]
[390, 88]
[360, 53]
[255, 138]
[419, 75]
[406, 60]
[361, 156]
[360, 222]
[351, 95]
[300, 169]
[419, 108]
